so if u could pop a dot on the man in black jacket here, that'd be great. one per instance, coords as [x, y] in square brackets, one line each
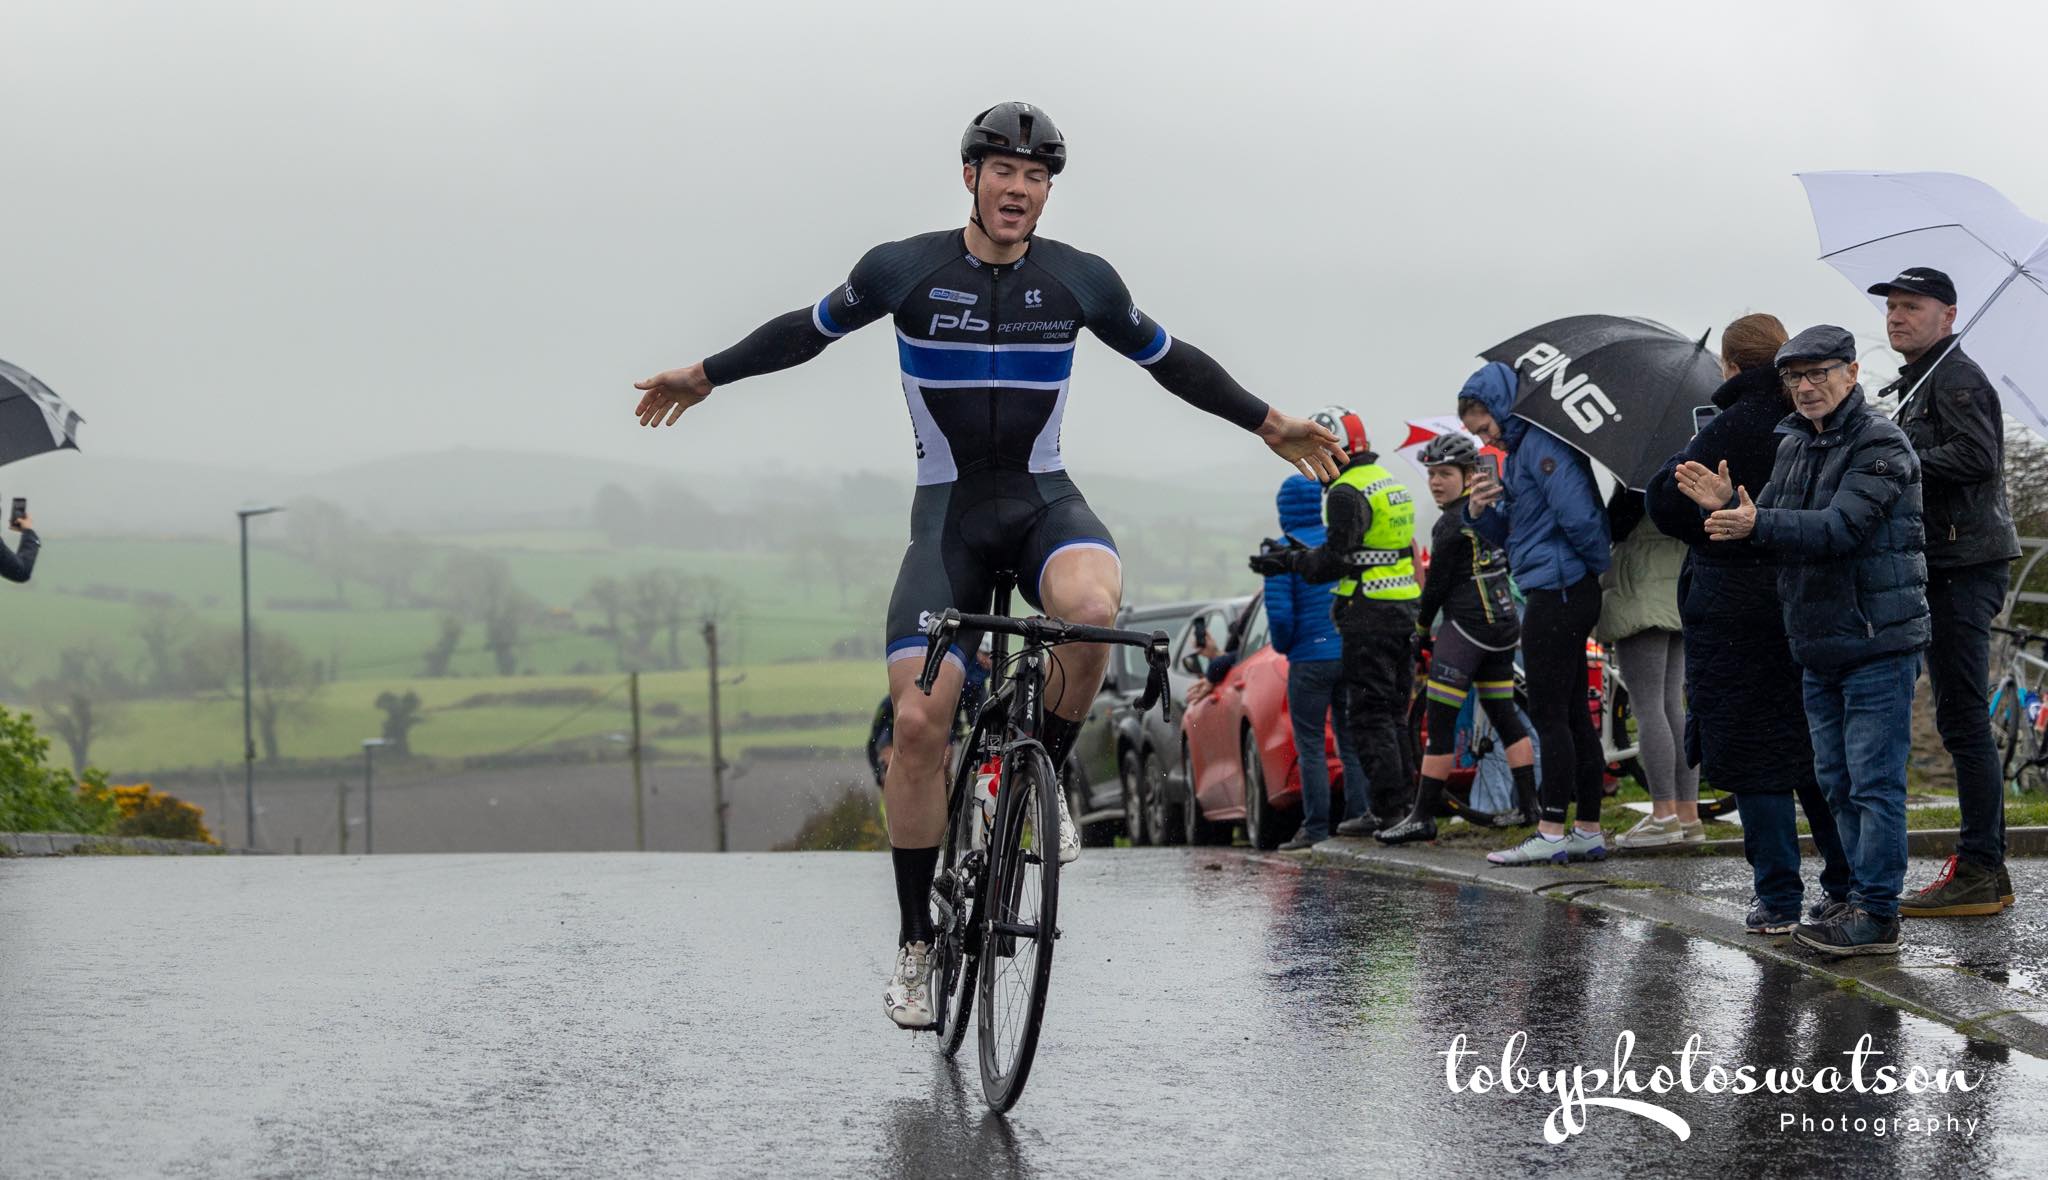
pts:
[1843, 515]
[1951, 415]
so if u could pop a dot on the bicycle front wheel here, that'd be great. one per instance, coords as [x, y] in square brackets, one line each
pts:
[1019, 924]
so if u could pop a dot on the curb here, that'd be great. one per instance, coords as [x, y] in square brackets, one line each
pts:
[1967, 1002]
[2032, 841]
[78, 844]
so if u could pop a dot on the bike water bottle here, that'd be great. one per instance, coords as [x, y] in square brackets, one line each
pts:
[985, 782]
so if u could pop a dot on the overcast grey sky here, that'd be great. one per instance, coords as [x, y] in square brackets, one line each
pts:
[303, 235]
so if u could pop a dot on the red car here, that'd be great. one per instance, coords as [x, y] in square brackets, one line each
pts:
[1237, 745]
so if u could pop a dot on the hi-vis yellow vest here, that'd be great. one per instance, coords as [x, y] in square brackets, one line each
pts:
[1386, 560]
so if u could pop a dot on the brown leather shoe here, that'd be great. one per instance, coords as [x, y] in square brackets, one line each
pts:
[1963, 889]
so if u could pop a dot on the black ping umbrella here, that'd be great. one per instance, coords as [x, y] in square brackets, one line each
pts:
[33, 419]
[1618, 388]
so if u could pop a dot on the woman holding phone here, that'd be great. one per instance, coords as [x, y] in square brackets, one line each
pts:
[1546, 511]
[16, 567]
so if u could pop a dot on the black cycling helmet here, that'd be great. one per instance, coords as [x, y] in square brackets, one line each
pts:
[1014, 129]
[1455, 449]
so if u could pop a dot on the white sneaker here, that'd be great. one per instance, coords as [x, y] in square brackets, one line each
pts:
[908, 998]
[1651, 832]
[1070, 836]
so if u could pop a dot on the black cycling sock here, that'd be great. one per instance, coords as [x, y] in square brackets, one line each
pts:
[914, 869]
[1429, 795]
[1058, 734]
[1525, 791]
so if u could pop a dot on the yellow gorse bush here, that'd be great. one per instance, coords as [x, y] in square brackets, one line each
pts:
[146, 811]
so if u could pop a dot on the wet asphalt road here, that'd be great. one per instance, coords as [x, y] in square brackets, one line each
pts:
[700, 1015]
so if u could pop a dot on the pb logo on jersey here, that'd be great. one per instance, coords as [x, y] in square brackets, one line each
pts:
[966, 321]
[1586, 404]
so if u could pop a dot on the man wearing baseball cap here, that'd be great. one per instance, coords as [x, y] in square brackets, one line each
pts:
[1843, 512]
[1951, 414]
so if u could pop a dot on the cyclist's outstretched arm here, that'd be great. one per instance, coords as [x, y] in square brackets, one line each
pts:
[784, 342]
[1191, 374]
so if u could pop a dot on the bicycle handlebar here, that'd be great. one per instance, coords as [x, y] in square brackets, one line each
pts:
[1050, 633]
[2024, 636]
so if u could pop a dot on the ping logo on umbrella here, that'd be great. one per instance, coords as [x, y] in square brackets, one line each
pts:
[1585, 403]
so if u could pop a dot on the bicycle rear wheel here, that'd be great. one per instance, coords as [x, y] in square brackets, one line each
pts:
[1020, 904]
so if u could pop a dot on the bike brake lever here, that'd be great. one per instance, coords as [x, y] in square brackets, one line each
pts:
[938, 637]
[1155, 684]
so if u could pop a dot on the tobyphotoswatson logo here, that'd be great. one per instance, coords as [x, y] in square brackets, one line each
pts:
[1579, 1089]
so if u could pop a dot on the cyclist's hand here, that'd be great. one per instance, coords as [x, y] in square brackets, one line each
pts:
[1314, 451]
[668, 394]
[1711, 490]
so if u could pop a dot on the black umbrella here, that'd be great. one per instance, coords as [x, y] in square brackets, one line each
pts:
[1618, 388]
[33, 419]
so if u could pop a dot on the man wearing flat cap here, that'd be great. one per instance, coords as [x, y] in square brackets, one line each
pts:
[1842, 513]
[1951, 414]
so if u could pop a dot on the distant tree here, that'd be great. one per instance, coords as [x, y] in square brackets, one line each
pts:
[283, 681]
[443, 651]
[619, 515]
[81, 702]
[327, 537]
[480, 586]
[392, 563]
[652, 600]
[401, 715]
[164, 631]
[608, 596]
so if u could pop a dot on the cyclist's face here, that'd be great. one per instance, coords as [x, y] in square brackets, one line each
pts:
[1446, 483]
[1011, 197]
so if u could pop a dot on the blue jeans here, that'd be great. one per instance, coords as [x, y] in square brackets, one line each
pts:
[1770, 842]
[1861, 719]
[1315, 691]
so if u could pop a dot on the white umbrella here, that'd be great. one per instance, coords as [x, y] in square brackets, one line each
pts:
[1875, 224]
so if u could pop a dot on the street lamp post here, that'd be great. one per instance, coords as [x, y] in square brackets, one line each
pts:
[242, 516]
[369, 798]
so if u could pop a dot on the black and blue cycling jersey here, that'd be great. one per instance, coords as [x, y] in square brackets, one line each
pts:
[986, 352]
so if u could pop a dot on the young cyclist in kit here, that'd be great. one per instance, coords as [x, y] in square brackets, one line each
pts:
[1475, 647]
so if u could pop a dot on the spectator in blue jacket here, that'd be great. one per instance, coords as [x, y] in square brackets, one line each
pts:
[1547, 513]
[1298, 621]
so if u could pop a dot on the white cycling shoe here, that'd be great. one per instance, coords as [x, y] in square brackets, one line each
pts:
[1070, 836]
[908, 998]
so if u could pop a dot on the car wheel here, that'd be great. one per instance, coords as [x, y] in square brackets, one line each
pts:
[1262, 822]
[1162, 814]
[1131, 784]
[1201, 830]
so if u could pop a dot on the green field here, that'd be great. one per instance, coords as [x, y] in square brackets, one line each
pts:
[772, 618]
[781, 618]
[152, 735]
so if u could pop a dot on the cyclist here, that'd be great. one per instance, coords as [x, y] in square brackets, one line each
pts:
[987, 318]
[1475, 648]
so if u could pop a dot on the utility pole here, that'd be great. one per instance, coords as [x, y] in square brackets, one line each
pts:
[717, 758]
[242, 516]
[341, 816]
[369, 798]
[639, 795]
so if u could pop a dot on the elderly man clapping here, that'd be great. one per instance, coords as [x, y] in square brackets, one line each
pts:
[1842, 513]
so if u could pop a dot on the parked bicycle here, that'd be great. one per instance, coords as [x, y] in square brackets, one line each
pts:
[2019, 714]
[995, 900]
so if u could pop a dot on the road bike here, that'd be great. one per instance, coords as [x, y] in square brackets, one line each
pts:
[995, 899]
[2019, 715]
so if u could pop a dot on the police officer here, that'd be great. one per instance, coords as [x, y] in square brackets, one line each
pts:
[1370, 553]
